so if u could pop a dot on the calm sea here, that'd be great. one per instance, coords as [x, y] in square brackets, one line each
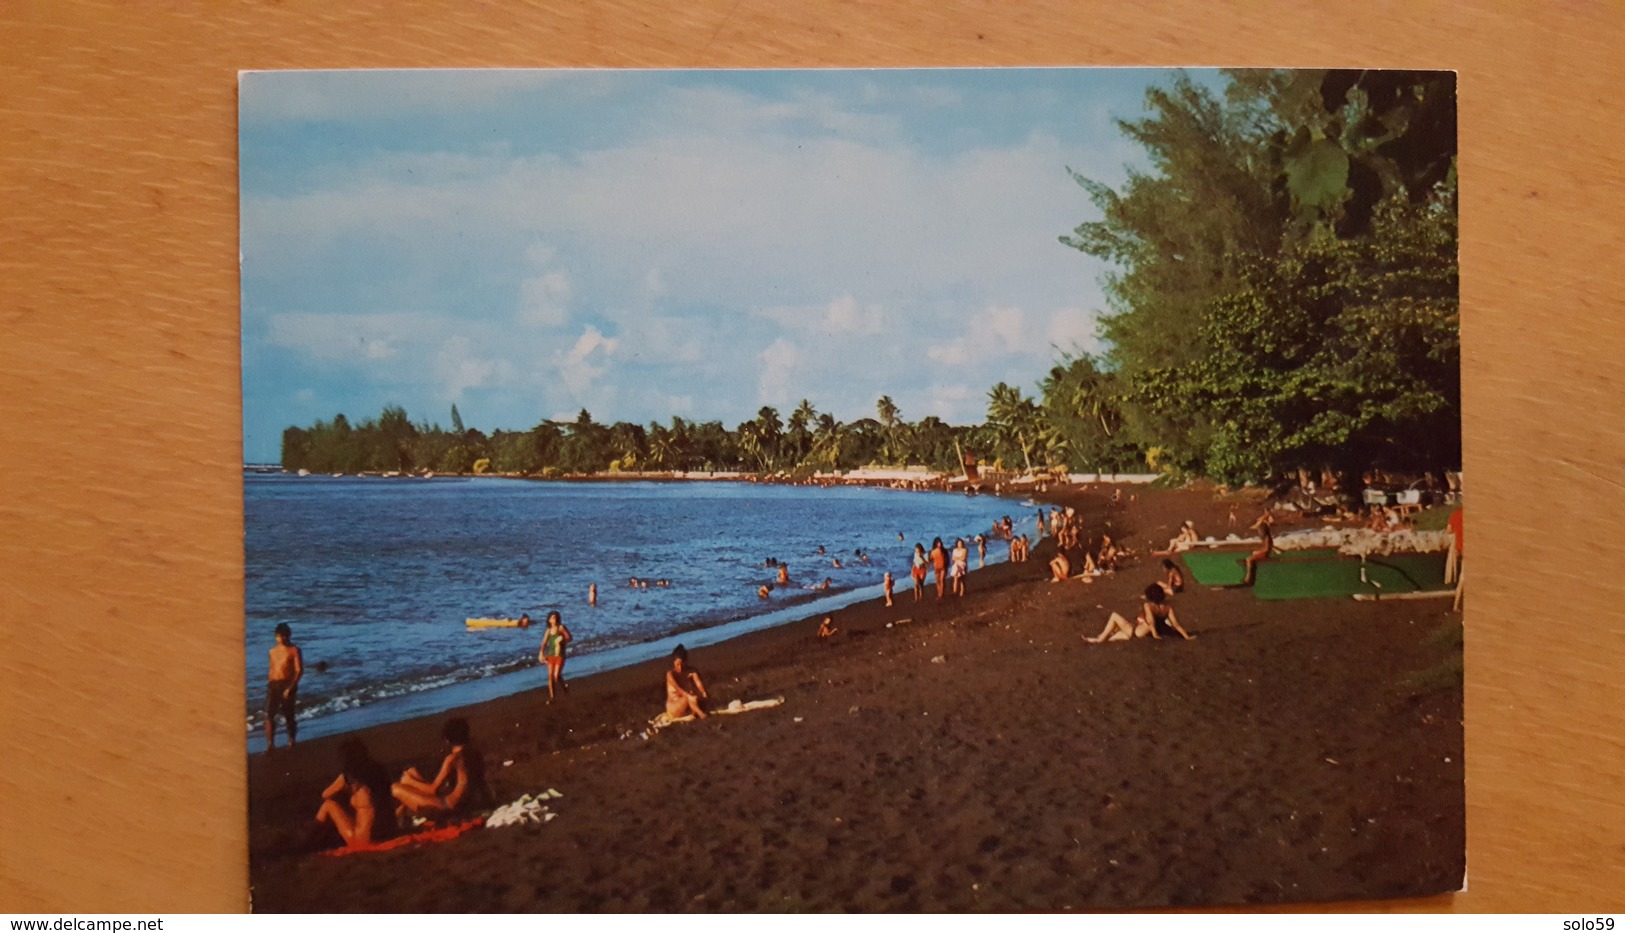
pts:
[376, 575]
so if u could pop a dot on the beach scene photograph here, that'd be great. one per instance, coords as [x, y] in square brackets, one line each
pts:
[971, 490]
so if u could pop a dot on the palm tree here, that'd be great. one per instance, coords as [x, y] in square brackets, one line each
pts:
[828, 442]
[799, 435]
[887, 409]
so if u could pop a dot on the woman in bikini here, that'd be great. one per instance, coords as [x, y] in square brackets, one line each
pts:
[459, 786]
[1176, 579]
[1156, 618]
[684, 689]
[552, 653]
[359, 817]
[939, 567]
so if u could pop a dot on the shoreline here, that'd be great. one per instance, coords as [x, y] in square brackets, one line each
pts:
[802, 607]
[978, 756]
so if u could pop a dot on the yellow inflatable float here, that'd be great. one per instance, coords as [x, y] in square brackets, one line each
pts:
[498, 623]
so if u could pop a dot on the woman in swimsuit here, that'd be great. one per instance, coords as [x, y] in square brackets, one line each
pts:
[918, 572]
[358, 818]
[552, 653]
[1155, 618]
[458, 786]
[961, 566]
[684, 689]
[939, 566]
[1176, 580]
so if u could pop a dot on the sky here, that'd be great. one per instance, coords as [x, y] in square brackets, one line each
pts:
[643, 244]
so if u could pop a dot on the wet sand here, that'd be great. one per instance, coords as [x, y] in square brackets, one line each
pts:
[979, 756]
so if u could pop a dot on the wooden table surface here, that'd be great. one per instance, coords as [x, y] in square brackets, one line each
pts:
[121, 693]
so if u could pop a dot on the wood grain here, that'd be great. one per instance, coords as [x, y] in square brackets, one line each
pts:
[121, 572]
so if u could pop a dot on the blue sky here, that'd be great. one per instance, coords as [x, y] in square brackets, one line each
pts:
[644, 244]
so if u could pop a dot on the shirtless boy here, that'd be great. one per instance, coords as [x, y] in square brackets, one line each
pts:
[281, 689]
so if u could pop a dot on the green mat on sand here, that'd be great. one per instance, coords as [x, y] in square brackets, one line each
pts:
[1309, 574]
[1225, 568]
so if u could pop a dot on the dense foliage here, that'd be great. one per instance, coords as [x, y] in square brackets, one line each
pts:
[1287, 287]
[806, 442]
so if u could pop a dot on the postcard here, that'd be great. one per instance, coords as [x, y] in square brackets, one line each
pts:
[851, 490]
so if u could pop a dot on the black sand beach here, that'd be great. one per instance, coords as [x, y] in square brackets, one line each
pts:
[978, 756]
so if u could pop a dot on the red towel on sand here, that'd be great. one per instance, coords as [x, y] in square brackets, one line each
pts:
[423, 837]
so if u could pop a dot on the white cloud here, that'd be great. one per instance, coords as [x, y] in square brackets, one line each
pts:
[458, 369]
[780, 363]
[585, 362]
[544, 300]
[342, 337]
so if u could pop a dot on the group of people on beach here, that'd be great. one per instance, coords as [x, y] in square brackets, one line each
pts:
[365, 807]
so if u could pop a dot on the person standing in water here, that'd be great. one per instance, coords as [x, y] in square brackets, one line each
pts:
[282, 685]
[592, 594]
[961, 566]
[552, 653]
[917, 572]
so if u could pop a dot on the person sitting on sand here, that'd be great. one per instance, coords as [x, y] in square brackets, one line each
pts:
[552, 653]
[961, 566]
[1156, 618]
[826, 628]
[1060, 567]
[459, 786]
[361, 818]
[886, 582]
[917, 571]
[1175, 583]
[1183, 540]
[684, 688]
[939, 566]
[1106, 558]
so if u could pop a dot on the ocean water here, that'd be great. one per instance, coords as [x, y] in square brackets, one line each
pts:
[376, 575]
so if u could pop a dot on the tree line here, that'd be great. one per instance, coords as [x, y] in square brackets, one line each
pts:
[805, 441]
[1284, 300]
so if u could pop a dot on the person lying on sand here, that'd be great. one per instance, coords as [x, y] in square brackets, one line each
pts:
[1175, 583]
[684, 688]
[351, 804]
[1156, 618]
[458, 787]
